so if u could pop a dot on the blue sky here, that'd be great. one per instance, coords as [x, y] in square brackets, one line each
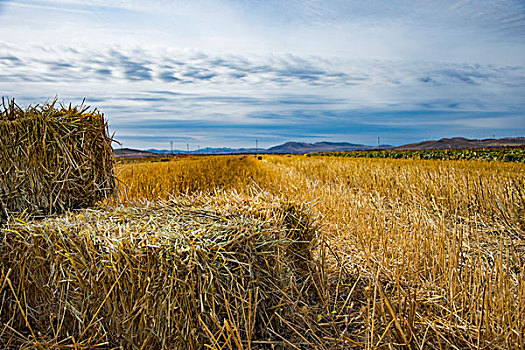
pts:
[227, 72]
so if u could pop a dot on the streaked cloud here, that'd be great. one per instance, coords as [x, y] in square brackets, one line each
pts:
[176, 68]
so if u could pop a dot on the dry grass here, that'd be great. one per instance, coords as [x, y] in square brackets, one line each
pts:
[190, 273]
[53, 158]
[154, 180]
[412, 254]
[417, 254]
[440, 247]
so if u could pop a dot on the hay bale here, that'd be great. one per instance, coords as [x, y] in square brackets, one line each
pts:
[180, 274]
[53, 159]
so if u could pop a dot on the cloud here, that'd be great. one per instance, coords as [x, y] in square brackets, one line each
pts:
[133, 69]
[505, 16]
[103, 72]
[2, 4]
[82, 6]
[448, 30]
[168, 77]
[199, 74]
[502, 15]
[136, 65]
[10, 60]
[134, 84]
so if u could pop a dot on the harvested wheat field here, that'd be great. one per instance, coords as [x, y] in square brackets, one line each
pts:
[233, 252]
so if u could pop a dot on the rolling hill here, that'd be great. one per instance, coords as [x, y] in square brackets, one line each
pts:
[462, 143]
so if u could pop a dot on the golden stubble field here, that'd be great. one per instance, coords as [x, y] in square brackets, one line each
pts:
[414, 254]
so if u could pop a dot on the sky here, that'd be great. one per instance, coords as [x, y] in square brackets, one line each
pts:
[225, 73]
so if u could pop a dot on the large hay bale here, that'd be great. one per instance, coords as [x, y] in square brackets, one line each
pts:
[53, 159]
[180, 274]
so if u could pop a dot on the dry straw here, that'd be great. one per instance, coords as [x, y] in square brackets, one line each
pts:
[53, 158]
[180, 274]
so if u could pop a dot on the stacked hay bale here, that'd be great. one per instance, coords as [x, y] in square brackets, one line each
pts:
[53, 158]
[189, 273]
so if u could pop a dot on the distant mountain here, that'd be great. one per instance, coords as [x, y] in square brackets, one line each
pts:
[289, 147]
[164, 151]
[225, 150]
[461, 143]
[129, 152]
[208, 150]
[303, 147]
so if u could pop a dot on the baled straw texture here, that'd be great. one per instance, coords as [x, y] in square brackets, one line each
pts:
[53, 159]
[178, 275]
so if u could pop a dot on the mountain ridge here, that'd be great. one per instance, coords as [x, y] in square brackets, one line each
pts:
[463, 143]
[326, 146]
